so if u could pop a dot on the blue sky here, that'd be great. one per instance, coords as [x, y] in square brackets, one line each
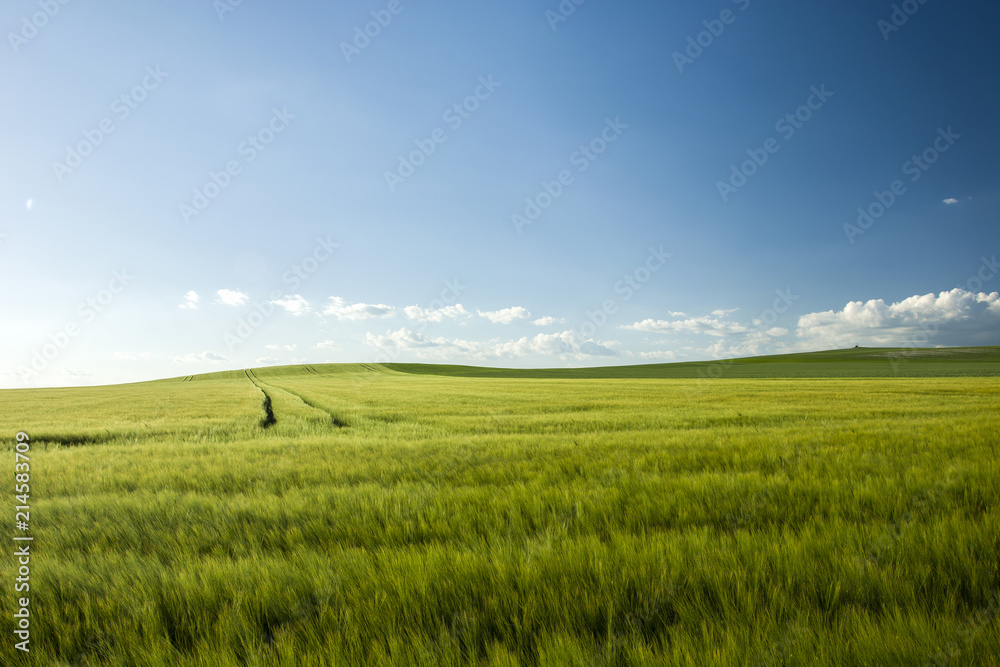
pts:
[197, 186]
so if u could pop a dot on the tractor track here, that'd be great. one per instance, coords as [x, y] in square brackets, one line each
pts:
[260, 384]
[334, 419]
[269, 419]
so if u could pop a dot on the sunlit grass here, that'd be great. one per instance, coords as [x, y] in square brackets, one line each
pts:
[398, 519]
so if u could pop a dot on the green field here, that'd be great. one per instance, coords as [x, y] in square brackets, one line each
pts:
[853, 362]
[837, 508]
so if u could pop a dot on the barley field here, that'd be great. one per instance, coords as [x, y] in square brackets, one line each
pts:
[418, 515]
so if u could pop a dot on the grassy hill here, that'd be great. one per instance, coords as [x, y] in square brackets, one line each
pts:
[852, 362]
[383, 515]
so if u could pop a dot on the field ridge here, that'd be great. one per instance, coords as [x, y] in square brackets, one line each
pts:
[850, 362]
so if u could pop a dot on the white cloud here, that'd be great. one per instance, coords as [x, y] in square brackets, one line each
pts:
[232, 297]
[733, 339]
[200, 358]
[957, 317]
[548, 321]
[280, 347]
[712, 326]
[506, 315]
[658, 355]
[127, 356]
[327, 345]
[755, 342]
[265, 361]
[565, 344]
[407, 339]
[191, 300]
[949, 201]
[356, 311]
[954, 318]
[419, 314]
[293, 304]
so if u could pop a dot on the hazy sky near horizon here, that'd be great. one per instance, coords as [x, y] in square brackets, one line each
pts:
[196, 186]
